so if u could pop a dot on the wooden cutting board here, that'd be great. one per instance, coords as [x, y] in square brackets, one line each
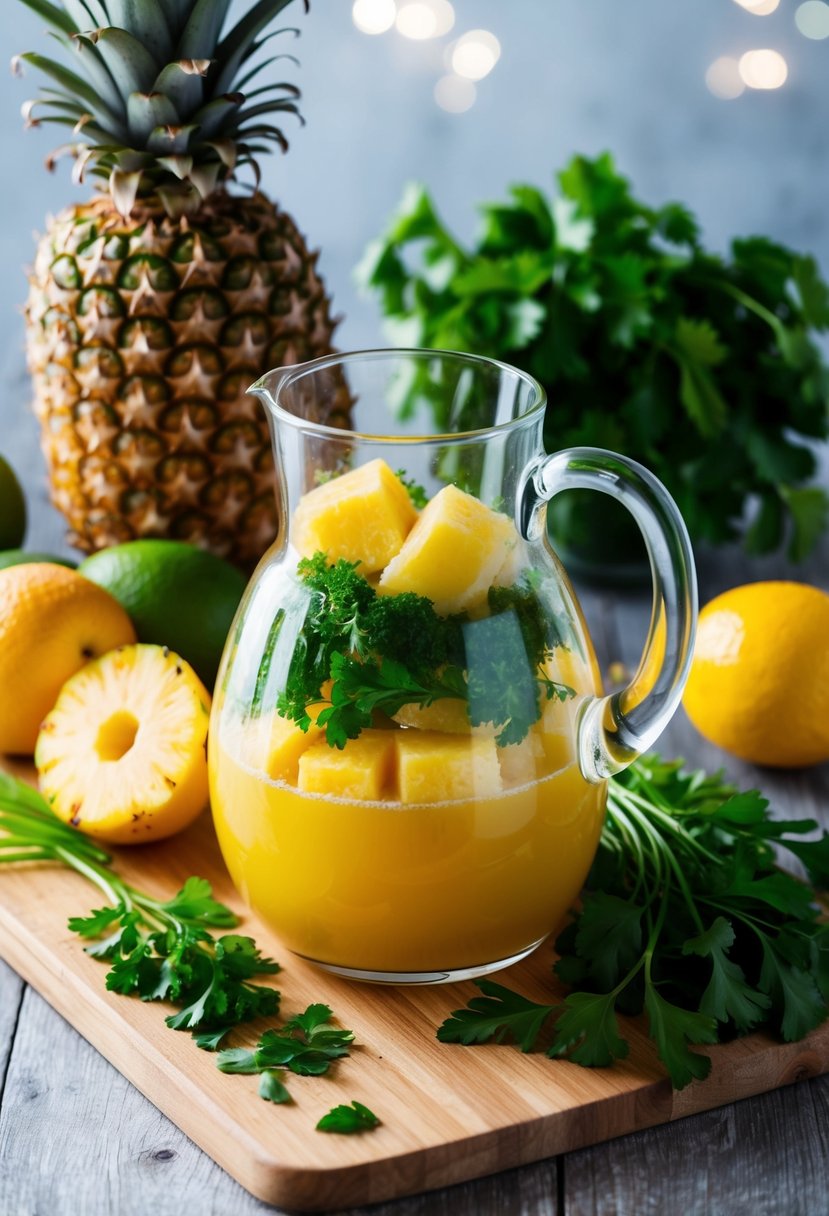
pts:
[449, 1113]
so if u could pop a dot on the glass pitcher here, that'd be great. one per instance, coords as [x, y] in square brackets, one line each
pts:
[409, 743]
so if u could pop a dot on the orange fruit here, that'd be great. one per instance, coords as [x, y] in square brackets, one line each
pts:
[122, 754]
[759, 681]
[52, 622]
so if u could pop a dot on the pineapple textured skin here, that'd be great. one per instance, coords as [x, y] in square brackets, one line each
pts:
[142, 337]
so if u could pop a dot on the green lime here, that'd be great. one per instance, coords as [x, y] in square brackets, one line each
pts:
[177, 596]
[12, 508]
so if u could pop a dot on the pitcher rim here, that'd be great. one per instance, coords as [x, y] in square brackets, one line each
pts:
[295, 371]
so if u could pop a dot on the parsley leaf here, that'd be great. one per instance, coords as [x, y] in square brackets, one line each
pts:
[349, 1120]
[498, 1014]
[211, 1040]
[673, 1029]
[587, 1030]
[728, 995]
[794, 992]
[272, 1089]
[609, 933]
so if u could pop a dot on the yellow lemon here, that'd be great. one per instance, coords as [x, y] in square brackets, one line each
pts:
[52, 622]
[122, 754]
[759, 682]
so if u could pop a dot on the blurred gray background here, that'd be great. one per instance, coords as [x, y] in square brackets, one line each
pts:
[574, 76]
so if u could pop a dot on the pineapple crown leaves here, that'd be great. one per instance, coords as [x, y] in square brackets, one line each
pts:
[157, 98]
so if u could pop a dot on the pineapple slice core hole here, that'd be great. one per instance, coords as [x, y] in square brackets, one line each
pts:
[116, 735]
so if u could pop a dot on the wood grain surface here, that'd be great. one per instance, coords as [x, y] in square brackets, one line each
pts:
[448, 1113]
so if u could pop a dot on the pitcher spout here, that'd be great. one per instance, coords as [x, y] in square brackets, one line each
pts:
[266, 388]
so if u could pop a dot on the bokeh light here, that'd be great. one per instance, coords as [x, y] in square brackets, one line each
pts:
[444, 16]
[760, 8]
[475, 54]
[764, 69]
[455, 94]
[417, 20]
[812, 19]
[724, 80]
[374, 16]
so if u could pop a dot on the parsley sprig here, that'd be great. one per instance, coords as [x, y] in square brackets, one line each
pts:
[685, 916]
[306, 1045]
[382, 652]
[413, 488]
[159, 949]
[162, 950]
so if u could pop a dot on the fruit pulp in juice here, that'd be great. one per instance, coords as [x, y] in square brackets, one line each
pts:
[393, 887]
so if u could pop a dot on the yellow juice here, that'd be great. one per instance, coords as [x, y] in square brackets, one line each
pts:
[392, 887]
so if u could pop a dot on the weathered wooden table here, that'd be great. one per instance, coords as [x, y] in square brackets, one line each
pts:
[77, 1140]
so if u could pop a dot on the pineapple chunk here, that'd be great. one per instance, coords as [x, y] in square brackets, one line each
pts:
[362, 770]
[523, 762]
[287, 743]
[363, 516]
[452, 553]
[448, 715]
[434, 767]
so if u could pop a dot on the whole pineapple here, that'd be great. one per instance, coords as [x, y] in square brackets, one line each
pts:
[156, 304]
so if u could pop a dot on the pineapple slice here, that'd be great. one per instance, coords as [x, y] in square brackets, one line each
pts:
[452, 553]
[122, 754]
[363, 770]
[435, 767]
[363, 516]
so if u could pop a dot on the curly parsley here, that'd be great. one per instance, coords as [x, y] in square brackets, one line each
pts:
[382, 652]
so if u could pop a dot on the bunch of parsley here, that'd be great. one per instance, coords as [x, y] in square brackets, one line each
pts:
[686, 917]
[704, 368]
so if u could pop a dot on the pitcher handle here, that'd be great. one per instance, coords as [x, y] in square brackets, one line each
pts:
[614, 730]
